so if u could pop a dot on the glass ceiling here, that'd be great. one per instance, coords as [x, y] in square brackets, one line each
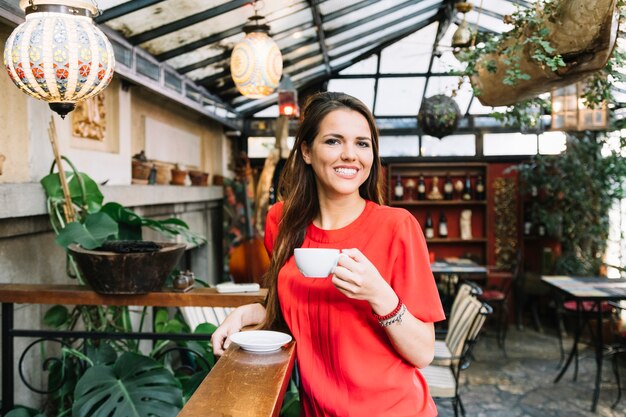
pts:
[380, 50]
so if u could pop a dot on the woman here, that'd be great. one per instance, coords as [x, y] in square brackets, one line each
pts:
[361, 334]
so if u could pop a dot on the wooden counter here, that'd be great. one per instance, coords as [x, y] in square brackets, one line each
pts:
[243, 384]
[79, 294]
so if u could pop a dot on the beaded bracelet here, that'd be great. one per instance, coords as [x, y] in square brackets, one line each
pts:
[390, 315]
[395, 319]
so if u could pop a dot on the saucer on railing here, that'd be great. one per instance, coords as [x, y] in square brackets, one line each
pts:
[260, 341]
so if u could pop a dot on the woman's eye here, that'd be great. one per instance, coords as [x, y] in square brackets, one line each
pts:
[364, 144]
[332, 141]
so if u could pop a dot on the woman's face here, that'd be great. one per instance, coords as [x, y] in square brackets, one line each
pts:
[341, 154]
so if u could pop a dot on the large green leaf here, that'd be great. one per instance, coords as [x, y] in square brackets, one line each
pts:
[56, 316]
[136, 386]
[101, 355]
[92, 199]
[97, 228]
[21, 411]
[128, 221]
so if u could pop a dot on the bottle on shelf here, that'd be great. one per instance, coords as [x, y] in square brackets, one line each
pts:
[448, 188]
[410, 189]
[398, 190]
[467, 189]
[458, 187]
[528, 224]
[480, 188]
[429, 231]
[534, 192]
[443, 225]
[421, 188]
[541, 229]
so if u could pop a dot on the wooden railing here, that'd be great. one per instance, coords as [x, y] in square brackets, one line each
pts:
[243, 384]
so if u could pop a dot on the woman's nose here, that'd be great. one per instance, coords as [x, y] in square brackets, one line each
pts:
[348, 153]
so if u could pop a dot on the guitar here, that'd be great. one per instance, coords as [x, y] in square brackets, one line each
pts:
[249, 260]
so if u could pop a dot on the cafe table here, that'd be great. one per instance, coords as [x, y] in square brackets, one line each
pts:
[11, 294]
[595, 290]
[449, 274]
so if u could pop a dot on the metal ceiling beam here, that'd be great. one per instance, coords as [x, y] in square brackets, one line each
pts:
[124, 9]
[233, 31]
[386, 26]
[321, 76]
[186, 22]
[349, 9]
[319, 24]
[226, 34]
[226, 54]
[368, 19]
[223, 91]
[447, 13]
[172, 53]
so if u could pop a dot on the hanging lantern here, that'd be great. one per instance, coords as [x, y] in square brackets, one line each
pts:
[288, 98]
[462, 37]
[438, 116]
[256, 63]
[58, 55]
[571, 114]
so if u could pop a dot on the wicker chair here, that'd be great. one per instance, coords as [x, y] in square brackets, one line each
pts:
[453, 334]
[443, 380]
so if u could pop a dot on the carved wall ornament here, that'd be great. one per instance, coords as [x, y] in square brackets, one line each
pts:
[505, 224]
[89, 118]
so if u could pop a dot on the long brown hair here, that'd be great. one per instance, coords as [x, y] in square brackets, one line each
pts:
[298, 190]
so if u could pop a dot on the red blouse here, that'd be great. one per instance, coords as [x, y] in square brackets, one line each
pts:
[348, 366]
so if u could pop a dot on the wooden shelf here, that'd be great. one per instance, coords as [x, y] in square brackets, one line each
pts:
[407, 203]
[456, 240]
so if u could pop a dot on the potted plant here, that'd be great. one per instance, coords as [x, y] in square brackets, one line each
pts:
[438, 116]
[93, 379]
[573, 202]
[179, 175]
[544, 50]
[199, 177]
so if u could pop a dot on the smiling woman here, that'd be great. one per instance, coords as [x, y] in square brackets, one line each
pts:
[341, 156]
[379, 303]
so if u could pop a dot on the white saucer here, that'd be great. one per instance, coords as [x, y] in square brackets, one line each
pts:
[260, 341]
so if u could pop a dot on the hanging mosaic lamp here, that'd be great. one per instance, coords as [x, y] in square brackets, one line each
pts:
[58, 55]
[256, 63]
[438, 116]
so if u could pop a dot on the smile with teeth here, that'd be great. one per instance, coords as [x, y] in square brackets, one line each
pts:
[346, 171]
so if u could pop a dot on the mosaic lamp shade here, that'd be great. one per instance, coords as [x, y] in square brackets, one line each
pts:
[256, 63]
[58, 55]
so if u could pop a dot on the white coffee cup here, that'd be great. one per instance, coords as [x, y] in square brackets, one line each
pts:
[316, 262]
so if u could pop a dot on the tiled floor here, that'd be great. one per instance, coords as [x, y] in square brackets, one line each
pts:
[522, 384]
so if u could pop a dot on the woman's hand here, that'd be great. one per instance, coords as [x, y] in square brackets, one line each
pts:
[356, 277]
[247, 315]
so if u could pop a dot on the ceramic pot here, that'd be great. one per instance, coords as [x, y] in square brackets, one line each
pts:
[178, 177]
[199, 178]
[141, 170]
[127, 273]
[163, 172]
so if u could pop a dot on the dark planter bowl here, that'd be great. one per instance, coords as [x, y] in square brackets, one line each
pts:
[127, 273]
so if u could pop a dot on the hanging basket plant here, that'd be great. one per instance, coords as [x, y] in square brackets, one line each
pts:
[438, 116]
[546, 49]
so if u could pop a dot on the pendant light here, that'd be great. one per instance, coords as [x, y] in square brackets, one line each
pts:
[58, 55]
[256, 63]
[462, 37]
